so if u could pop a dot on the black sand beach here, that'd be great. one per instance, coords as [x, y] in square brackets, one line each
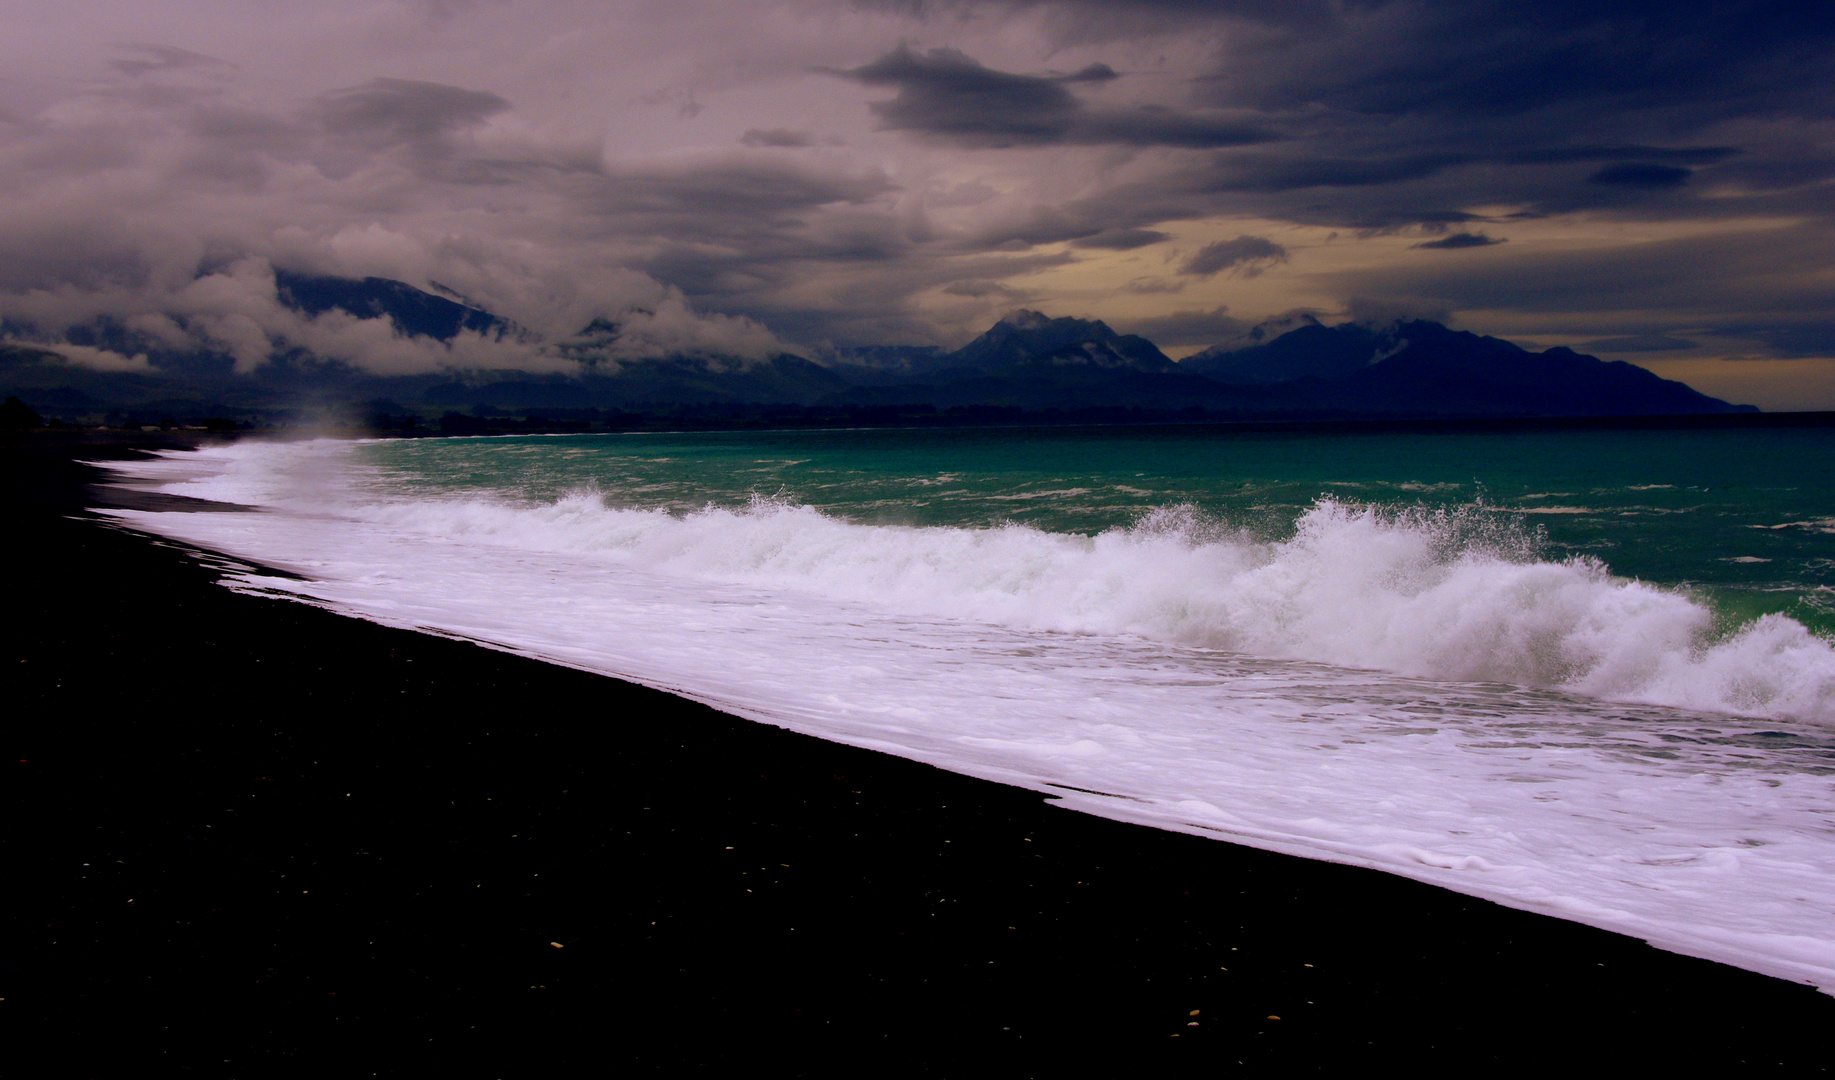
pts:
[252, 838]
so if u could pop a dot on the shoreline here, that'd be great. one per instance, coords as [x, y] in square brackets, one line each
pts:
[473, 860]
[714, 419]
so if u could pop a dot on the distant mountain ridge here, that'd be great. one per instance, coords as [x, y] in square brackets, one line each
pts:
[1314, 349]
[1026, 361]
[1417, 365]
[1407, 368]
[1026, 338]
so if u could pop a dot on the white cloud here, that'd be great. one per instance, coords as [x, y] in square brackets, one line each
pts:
[103, 359]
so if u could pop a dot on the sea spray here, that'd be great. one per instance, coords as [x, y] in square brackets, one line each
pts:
[1454, 594]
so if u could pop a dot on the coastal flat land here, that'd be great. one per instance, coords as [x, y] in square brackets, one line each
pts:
[247, 837]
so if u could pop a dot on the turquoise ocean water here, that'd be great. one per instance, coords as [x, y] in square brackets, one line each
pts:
[1745, 518]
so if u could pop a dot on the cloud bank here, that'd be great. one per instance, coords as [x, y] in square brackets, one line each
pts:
[793, 174]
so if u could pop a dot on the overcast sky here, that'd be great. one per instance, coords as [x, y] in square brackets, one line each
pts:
[1655, 184]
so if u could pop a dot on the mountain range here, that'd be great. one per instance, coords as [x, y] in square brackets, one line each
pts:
[1025, 363]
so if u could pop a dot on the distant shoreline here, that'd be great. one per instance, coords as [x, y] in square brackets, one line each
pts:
[796, 418]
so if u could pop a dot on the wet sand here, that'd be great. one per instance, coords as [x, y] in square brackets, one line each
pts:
[252, 838]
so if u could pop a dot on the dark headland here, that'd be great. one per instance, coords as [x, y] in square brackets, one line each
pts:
[252, 838]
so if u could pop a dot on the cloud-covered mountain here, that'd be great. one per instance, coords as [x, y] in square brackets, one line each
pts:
[325, 361]
[1026, 361]
[414, 312]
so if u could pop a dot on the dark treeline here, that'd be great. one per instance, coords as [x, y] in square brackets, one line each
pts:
[388, 420]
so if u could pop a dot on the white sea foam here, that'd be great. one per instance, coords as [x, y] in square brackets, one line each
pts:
[1364, 690]
[1408, 592]
[1444, 595]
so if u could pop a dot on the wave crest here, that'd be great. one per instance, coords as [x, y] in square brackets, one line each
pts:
[1460, 594]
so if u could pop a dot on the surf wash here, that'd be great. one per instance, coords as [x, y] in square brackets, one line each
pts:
[1118, 668]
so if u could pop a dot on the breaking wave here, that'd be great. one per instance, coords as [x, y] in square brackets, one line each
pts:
[1452, 595]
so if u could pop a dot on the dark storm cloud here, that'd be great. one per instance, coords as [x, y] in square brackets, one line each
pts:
[719, 191]
[198, 274]
[1247, 255]
[81, 251]
[945, 92]
[226, 126]
[1461, 240]
[781, 137]
[877, 307]
[730, 230]
[152, 59]
[539, 151]
[1522, 57]
[1640, 174]
[980, 289]
[1777, 279]
[1160, 126]
[1448, 217]
[384, 112]
[1094, 73]
[1108, 17]
[1636, 343]
[1187, 328]
[1395, 307]
[1639, 277]
[715, 274]
[1414, 114]
[948, 95]
[1282, 172]
[1688, 155]
[1406, 112]
[1053, 225]
[1121, 239]
[1812, 336]
[1152, 286]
